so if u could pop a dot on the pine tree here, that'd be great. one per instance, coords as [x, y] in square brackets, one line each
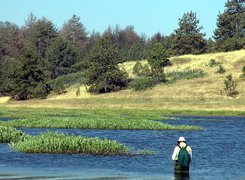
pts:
[30, 78]
[104, 75]
[188, 37]
[60, 57]
[41, 36]
[230, 31]
[158, 58]
[74, 31]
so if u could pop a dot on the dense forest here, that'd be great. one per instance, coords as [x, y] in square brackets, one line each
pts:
[34, 57]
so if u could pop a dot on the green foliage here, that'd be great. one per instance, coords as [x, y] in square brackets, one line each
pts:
[103, 74]
[142, 83]
[40, 91]
[213, 63]
[60, 57]
[229, 33]
[137, 68]
[59, 87]
[158, 59]
[41, 36]
[78, 91]
[30, 76]
[8, 68]
[188, 37]
[186, 74]
[230, 86]
[220, 70]
[101, 120]
[9, 134]
[243, 71]
[146, 71]
[59, 143]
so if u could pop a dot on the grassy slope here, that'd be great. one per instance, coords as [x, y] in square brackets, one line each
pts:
[196, 94]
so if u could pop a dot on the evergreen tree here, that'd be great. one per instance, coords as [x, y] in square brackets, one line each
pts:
[30, 78]
[74, 31]
[41, 36]
[188, 37]
[104, 75]
[230, 31]
[158, 59]
[60, 57]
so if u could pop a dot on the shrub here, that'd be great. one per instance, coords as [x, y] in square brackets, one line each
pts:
[59, 87]
[78, 92]
[146, 71]
[142, 83]
[40, 91]
[243, 70]
[213, 63]
[230, 86]
[137, 68]
[220, 70]
[186, 74]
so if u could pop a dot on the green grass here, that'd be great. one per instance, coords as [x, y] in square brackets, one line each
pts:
[9, 134]
[59, 143]
[95, 122]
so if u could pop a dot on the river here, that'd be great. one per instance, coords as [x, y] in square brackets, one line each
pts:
[218, 153]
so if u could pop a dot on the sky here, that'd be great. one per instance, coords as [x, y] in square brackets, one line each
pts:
[147, 16]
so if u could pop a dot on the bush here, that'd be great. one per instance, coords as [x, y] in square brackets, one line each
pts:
[146, 71]
[137, 68]
[186, 74]
[40, 91]
[59, 87]
[213, 63]
[142, 83]
[220, 70]
[243, 70]
[230, 86]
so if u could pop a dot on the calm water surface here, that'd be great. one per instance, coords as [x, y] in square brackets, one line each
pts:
[218, 153]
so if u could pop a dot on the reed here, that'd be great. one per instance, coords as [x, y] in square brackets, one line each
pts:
[9, 134]
[59, 143]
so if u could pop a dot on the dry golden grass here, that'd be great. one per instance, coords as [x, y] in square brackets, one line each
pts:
[195, 94]
[4, 100]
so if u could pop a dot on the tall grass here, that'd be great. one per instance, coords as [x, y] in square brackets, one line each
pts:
[59, 143]
[186, 74]
[9, 134]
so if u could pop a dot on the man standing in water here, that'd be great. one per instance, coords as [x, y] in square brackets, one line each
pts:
[182, 156]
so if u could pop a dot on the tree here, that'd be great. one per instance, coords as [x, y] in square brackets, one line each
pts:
[30, 78]
[41, 36]
[230, 86]
[158, 59]
[230, 31]
[188, 37]
[11, 39]
[104, 75]
[74, 32]
[60, 57]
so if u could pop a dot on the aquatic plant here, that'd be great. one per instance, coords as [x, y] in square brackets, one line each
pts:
[59, 143]
[9, 134]
[96, 122]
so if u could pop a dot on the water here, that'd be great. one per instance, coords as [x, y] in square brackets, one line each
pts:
[218, 153]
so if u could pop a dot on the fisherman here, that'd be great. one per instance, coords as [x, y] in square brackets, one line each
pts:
[182, 156]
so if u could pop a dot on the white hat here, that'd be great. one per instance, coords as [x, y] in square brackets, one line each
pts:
[181, 139]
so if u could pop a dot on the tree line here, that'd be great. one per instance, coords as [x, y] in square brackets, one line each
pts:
[33, 55]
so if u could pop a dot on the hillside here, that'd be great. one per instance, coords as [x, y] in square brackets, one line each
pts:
[196, 94]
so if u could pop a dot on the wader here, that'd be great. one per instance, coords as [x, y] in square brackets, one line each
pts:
[181, 173]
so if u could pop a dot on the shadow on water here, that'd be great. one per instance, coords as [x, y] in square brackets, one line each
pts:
[210, 161]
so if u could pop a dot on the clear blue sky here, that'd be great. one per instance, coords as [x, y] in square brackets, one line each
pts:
[147, 16]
